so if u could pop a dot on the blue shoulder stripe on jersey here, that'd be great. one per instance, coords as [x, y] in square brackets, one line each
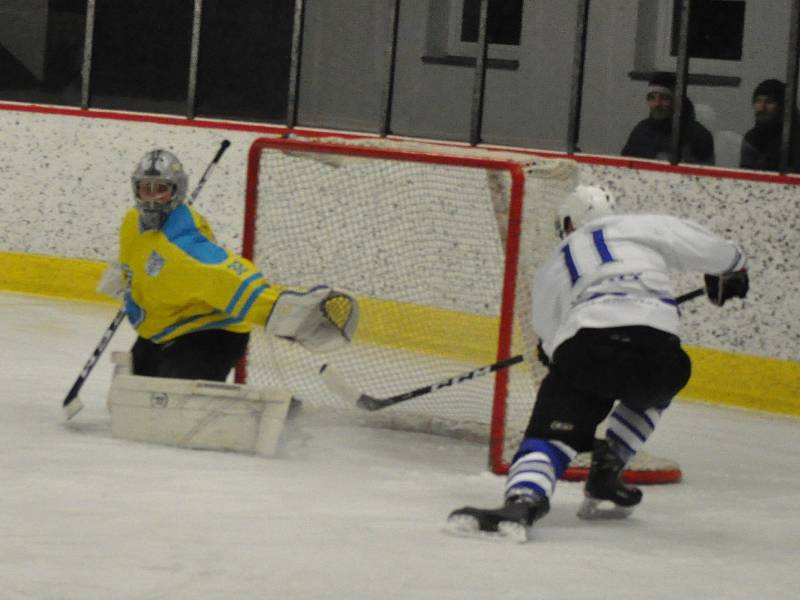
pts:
[600, 244]
[570, 262]
[238, 294]
[182, 231]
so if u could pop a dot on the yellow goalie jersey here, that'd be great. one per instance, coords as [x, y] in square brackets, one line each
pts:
[182, 282]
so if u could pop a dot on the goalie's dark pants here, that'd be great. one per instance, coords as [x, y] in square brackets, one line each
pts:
[206, 355]
[641, 366]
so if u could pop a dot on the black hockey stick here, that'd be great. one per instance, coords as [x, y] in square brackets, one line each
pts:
[336, 383]
[338, 386]
[690, 295]
[72, 404]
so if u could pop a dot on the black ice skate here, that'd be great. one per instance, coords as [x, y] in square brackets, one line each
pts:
[606, 497]
[513, 521]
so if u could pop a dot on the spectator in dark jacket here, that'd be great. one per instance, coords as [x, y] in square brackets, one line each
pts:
[652, 137]
[761, 146]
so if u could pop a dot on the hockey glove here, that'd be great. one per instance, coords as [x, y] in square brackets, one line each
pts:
[320, 320]
[113, 281]
[726, 286]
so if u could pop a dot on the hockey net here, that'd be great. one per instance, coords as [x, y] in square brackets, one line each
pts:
[439, 244]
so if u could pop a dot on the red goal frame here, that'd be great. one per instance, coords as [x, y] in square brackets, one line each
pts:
[517, 191]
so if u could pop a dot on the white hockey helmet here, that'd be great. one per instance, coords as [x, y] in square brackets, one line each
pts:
[159, 186]
[586, 203]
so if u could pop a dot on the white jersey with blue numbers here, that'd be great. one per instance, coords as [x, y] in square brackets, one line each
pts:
[614, 272]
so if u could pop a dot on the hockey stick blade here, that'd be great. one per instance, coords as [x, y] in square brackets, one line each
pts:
[336, 384]
[690, 295]
[73, 408]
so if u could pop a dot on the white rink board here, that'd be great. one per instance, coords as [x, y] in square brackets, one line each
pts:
[67, 185]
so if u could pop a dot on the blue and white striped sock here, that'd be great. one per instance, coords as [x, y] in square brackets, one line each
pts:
[536, 467]
[628, 429]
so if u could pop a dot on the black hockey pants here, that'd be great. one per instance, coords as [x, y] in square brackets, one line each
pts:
[641, 366]
[208, 355]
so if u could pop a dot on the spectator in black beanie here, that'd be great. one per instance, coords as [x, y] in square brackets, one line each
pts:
[761, 146]
[652, 137]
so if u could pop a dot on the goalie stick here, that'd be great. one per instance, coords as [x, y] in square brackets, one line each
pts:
[72, 403]
[336, 383]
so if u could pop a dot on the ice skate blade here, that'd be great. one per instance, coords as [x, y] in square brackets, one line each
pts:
[467, 526]
[593, 509]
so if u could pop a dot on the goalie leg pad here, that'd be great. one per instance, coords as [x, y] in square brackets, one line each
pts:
[199, 414]
[123, 363]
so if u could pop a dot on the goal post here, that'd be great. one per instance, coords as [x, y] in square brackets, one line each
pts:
[439, 244]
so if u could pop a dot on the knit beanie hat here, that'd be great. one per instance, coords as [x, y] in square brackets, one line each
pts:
[770, 87]
[662, 82]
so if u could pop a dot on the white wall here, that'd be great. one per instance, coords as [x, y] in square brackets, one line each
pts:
[763, 217]
[64, 186]
[66, 181]
[344, 66]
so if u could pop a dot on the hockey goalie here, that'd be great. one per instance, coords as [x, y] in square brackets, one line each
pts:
[193, 304]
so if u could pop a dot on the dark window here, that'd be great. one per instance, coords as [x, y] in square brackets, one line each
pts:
[41, 52]
[503, 25]
[141, 55]
[243, 68]
[716, 29]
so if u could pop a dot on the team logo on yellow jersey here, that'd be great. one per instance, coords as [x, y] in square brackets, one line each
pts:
[154, 264]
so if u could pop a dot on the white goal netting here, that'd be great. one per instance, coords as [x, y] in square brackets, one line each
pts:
[419, 233]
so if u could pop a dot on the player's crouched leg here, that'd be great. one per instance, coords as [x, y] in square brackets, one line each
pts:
[643, 366]
[661, 370]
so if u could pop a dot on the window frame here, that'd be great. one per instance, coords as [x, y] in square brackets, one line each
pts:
[455, 47]
[663, 59]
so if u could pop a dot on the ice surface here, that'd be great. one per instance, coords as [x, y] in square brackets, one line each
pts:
[349, 512]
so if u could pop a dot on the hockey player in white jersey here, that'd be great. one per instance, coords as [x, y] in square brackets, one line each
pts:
[604, 309]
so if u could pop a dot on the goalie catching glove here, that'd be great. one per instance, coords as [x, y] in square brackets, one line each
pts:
[320, 320]
[720, 288]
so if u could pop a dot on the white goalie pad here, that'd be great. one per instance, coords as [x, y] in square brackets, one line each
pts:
[197, 414]
[123, 363]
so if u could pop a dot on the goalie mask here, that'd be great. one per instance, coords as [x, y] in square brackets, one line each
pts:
[586, 203]
[159, 186]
